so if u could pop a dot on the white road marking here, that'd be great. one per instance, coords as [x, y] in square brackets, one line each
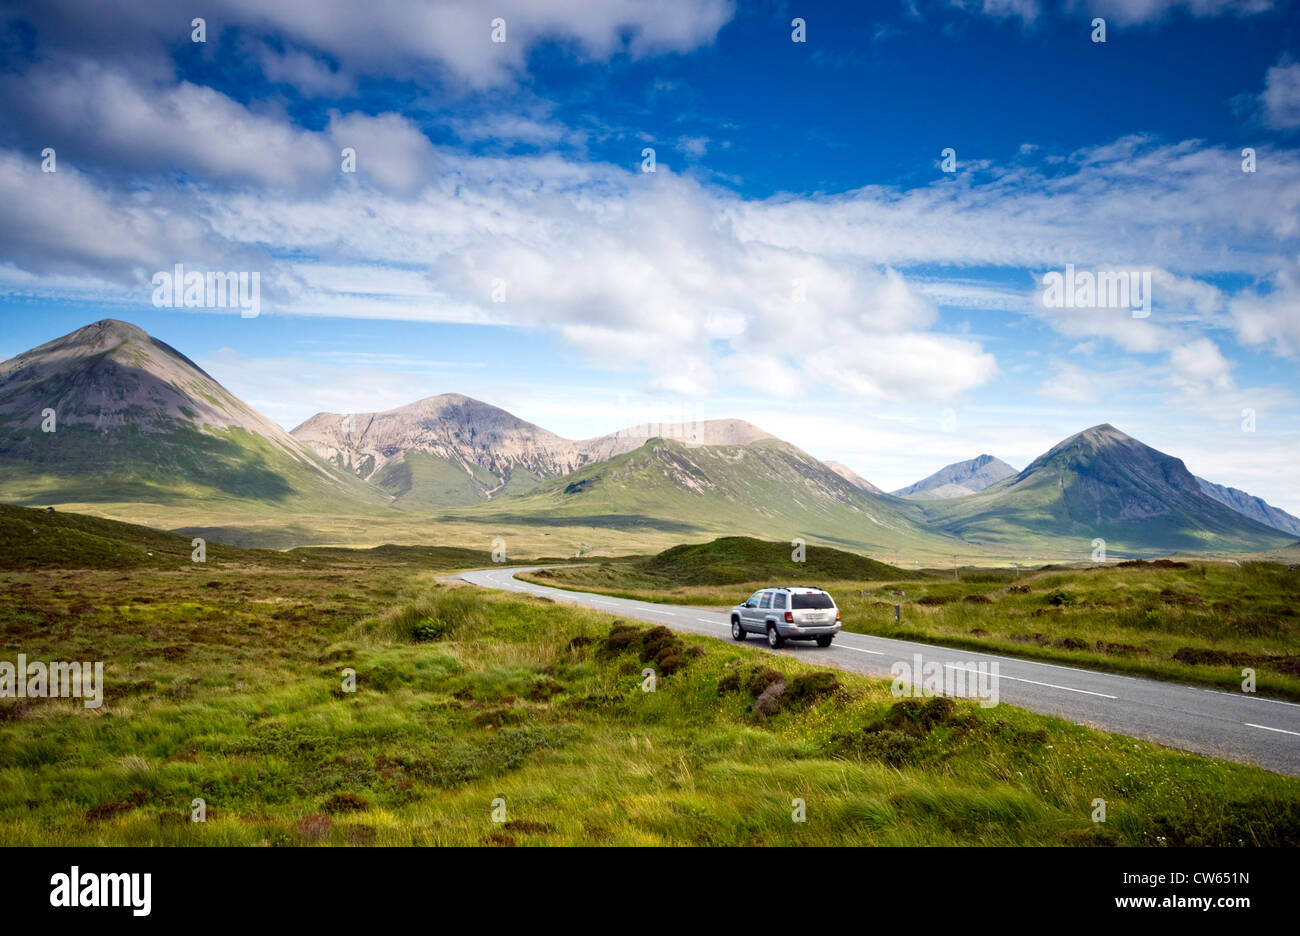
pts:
[1035, 682]
[707, 621]
[1253, 698]
[1267, 728]
[845, 646]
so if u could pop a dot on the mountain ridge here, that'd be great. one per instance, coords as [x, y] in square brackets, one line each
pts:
[472, 451]
[138, 422]
[1102, 484]
[959, 478]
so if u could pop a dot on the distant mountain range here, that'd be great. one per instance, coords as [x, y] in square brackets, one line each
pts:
[960, 478]
[1100, 484]
[137, 421]
[453, 450]
[1253, 507]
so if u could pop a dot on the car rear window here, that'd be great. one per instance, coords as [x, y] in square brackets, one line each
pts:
[778, 601]
[812, 601]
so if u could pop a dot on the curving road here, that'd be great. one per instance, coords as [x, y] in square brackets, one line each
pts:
[1236, 726]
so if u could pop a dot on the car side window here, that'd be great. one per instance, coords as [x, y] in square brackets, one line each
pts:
[778, 601]
[753, 600]
[767, 600]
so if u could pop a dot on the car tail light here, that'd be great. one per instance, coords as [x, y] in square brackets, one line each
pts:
[837, 615]
[789, 617]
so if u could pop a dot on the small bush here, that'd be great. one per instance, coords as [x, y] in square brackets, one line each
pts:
[893, 747]
[1060, 598]
[1196, 656]
[345, 803]
[812, 686]
[759, 678]
[657, 645]
[1093, 837]
[428, 629]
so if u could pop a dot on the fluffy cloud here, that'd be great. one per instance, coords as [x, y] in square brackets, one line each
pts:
[1271, 317]
[661, 273]
[403, 38]
[1281, 97]
[1199, 366]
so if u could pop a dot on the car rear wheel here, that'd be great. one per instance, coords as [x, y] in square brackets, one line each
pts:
[774, 638]
[823, 641]
[737, 632]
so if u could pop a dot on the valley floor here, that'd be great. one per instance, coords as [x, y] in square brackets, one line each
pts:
[225, 682]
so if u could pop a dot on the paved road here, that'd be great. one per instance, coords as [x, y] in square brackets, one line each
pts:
[1236, 726]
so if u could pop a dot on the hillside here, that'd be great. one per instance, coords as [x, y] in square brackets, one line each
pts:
[769, 489]
[1254, 507]
[851, 476]
[136, 420]
[452, 450]
[732, 559]
[1100, 483]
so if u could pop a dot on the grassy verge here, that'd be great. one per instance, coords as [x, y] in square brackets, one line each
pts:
[225, 683]
[1190, 622]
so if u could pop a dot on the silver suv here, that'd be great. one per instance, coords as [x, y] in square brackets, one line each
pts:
[791, 613]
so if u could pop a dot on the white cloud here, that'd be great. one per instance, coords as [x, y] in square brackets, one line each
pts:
[514, 128]
[1071, 384]
[1123, 12]
[407, 39]
[1271, 318]
[104, 113]
[303, 71]
[392, 153]
[1281, 97]
[1146, 11]
[1199, 366]
[693, 146]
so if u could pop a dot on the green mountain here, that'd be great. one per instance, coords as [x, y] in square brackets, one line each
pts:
[766, 488]
[451, 450]
[1100, 484]
[131, 419]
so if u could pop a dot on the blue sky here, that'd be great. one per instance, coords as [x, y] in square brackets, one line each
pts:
[917, 335]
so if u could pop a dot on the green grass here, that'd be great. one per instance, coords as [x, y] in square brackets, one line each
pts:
[32, 539]
[224, 682]
[1196, 622]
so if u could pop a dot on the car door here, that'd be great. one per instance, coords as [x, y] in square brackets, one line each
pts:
[749, 613]
[764, 612]
[779, 601]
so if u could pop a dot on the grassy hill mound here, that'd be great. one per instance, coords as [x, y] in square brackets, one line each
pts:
[31, 538]
[732, 559]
